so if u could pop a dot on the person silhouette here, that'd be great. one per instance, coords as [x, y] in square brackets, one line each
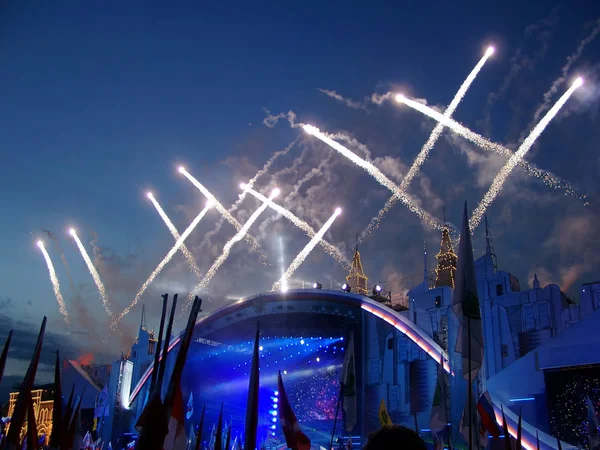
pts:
[395, 437]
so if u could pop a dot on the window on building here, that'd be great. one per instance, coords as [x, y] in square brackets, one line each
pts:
[504, 350]
[528, 317]
[499, 290]
[438, 301]
[544, 314]
[391, 344]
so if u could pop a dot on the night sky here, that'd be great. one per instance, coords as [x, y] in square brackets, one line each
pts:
[101, 101]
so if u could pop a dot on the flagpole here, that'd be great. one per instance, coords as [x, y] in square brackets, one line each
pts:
[337, 410]
[470, 384]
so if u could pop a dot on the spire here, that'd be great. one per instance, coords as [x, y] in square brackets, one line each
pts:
[357, 279]
[536, 282]
[446, 260]
[425, 269]
[489, 247]
[142, 321]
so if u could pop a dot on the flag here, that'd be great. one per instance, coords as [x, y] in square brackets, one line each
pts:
[469, 342]
[190, 407]
[219, 433]
[175, 439]
[252, 403]
[228, 439]
[5, 354]
[349, 443]
[348, 384]
[470, 426]
[57, 412]
[66, 423]
[32, 436]
[486, 412]
[384, 417]
[211, 441]
[18, 415]
[87, 441]
[294, 437]
[200, 427]
[438, 442]
[439, 409]
[101, 402]
[109, 446]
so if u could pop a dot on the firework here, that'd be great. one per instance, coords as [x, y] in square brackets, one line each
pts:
[377, 174]
[498, 182]
[299, 259]
[163, 263]
[93, 272]
[55, 284]
[186, 252]
[429, 144]
[329, 248]
[219, 207]
[236, 238]
[485, 144]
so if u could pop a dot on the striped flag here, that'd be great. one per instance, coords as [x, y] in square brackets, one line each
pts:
[294, 437]
[176, 439]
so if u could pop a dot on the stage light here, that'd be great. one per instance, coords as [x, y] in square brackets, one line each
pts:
[274, 419]
[275, 400]
[260, 348]
[285, 372]
[273, 427]
[346, 287]
[301, 341]
[376, 290]
[317, 285]
[277, 392]
[318, 359]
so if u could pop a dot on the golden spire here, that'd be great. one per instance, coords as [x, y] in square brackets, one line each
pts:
[357, 279]
[446, 261]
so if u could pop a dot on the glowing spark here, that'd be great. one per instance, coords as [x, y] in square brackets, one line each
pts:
[219, 207]
[163, 263]
[429, 144]
[55, 284]
[236, 238]
[299, 259]
[485, 144]
[330, 249]
[377, 174]
[498, 182]
[186, 252]
[93, 272]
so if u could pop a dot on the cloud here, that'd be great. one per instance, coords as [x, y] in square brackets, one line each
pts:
[271, 120]
[347, 101]
[6, 303]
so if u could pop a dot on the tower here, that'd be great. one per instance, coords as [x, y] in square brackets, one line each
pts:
[446, 262]
[357, 279]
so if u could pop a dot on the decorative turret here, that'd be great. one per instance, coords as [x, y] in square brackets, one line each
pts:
[357, 279]
[446, 262]
[536, 282]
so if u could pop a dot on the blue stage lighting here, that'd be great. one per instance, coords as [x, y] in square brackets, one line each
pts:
[285, 372]
[260, 348]
[274, 419]
[273, 427]
[275, 400]
[301, 341]
[318, 359]
[276, 393]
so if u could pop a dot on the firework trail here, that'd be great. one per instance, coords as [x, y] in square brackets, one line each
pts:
[498, 182]
[226, 214]
[548, 178]
[378, 175]
[236, 238]
[428, 146]
[299, 259]
[329, 248]
[93, 272]
[163, 263]
[253, 180]
[186, 252]
[55, 284]
[63, 258]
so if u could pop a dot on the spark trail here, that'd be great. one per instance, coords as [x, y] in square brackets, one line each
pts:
[55, 284]
[430, 143]
[93, 272]
[485, 144]
[330, 249]
[299, 259]
[219, 207]
[186, 252]
[236, 238]
[163, 263]
[378, 175]
[498, 182]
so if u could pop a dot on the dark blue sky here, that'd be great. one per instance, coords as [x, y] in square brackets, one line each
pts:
[100, 101]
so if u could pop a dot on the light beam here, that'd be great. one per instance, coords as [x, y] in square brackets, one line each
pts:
[299, 259]
[330, 249]
[377, 174]
[93, 272]
[500, 178]
[163, 263]
[55, 284]
[236, 238]
[186, 252]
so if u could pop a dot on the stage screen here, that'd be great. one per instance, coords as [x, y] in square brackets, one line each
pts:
[310, 367]
[567, 390]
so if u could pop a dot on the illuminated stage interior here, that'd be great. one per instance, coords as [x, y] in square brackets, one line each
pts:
[308, 349]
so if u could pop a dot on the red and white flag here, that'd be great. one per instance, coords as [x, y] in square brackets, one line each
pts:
[176, 439]
[294, 437]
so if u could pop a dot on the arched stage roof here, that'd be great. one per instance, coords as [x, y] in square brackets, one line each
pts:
[256, 306]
